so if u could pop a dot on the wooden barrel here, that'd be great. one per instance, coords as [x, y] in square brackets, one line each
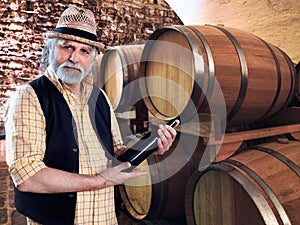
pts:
[297, 68]
[288, 114]
[185, 64]
[257, 186]
[98, 80]
[163, 194]
[2, 149]
[120, 68]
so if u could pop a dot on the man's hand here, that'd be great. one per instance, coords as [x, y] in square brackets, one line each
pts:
[167, 135]
[115, 175]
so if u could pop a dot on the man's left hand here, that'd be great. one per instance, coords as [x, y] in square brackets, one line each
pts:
[167, 135]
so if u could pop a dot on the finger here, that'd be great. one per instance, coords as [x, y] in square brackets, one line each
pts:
[133, 175]
[161, 148]
[166, 139]
[109, 163]
[165, 133]
[123, 166]
[137, 172]
[171, 131]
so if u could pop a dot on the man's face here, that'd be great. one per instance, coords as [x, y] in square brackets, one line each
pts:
[71, 60]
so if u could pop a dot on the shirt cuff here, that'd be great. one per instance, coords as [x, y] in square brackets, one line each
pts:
[22, 169]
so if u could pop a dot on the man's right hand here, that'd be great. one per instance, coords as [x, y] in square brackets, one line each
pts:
[116, 175]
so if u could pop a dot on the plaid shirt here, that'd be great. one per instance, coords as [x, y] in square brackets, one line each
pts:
[25, 129]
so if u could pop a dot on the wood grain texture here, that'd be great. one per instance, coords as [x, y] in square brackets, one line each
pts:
[259, 185]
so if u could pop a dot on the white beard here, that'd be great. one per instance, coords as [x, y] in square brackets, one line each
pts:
[67, 75]
[70, 76]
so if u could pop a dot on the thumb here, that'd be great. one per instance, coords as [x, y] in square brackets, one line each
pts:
[109, 163]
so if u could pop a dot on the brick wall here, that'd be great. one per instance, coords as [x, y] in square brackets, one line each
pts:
[24, 23]
[8, 213]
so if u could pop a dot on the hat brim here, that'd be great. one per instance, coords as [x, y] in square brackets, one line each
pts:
[53, 34]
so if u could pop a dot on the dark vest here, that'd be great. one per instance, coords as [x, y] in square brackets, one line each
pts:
[62, 151]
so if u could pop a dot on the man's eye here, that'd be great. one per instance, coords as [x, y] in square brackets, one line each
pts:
[85, 51]
[67, 47]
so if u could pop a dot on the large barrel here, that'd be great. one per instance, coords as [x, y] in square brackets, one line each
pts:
[260, 185]
[183, 65]
[163, 194]
[120, 68]
[98, 80]
[288, 114]
[297, 68]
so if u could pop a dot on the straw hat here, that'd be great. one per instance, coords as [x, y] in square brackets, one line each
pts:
[77, 24]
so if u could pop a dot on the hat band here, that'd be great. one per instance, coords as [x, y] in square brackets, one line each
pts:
[76, 32]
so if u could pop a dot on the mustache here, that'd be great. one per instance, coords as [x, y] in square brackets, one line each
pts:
[72, 65]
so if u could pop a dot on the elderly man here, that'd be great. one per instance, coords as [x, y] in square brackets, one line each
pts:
[61, 134]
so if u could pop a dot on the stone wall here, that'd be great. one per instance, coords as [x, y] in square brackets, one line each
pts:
[24, 23]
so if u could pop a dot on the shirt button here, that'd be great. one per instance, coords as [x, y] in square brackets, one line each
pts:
[75, 149]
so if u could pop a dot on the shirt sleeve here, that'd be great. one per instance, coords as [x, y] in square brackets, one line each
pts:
[25, 135]
[119, 146]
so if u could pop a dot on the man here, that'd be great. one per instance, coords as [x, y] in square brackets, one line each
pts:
[61, 134]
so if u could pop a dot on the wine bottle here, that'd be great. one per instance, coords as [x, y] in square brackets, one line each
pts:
[143, 148]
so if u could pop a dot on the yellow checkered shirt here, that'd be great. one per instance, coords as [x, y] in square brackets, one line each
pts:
[25, 129]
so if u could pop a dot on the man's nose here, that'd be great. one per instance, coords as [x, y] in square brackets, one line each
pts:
[74, 57]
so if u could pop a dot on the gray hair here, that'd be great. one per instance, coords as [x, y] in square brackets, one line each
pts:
[50, 43]
[44, 61]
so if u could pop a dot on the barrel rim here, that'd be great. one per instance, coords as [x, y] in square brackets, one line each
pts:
[129, 57]
[197, 72]
[280, 157]
[256, 196]
[154, 189]
[265, 187]
[104, 61]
